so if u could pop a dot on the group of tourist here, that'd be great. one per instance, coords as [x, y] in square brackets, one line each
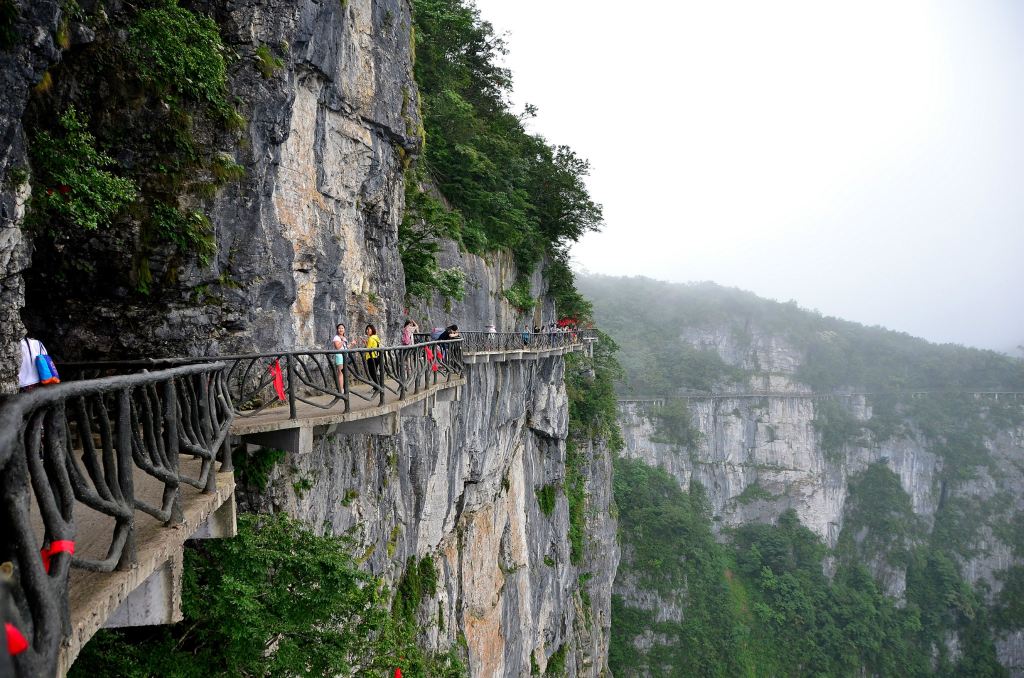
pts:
[553, 328]
[374, 369]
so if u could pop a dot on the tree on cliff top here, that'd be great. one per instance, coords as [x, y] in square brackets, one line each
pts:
[512, 189]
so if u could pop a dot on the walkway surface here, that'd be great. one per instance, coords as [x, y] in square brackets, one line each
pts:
[323, 413]
[95, 597]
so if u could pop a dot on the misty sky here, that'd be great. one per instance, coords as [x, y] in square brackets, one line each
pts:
[863, 158]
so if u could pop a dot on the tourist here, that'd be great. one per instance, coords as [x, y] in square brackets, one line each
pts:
[340, 342]
[409, 331]
[373, 357]
[450, 332]
[526, 335]
[28, 374]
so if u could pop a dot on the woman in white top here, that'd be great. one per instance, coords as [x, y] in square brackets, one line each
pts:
[341, 344]
[28, 376]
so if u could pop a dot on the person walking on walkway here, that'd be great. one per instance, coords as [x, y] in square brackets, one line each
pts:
[409, 332]
[341, 344]
[373, 357]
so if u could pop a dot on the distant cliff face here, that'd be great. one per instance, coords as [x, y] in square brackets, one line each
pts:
[460, 484]
[758, 456]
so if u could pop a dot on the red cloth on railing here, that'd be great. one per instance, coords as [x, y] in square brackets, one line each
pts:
[431, 360]
[60, 546]
[275, 371]
[16, 643]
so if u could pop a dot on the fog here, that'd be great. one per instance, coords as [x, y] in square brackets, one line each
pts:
[864, 159]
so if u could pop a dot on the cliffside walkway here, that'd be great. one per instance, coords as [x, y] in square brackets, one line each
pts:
[93, 471]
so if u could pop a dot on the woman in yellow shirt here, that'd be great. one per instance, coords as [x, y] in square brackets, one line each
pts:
[373, 357]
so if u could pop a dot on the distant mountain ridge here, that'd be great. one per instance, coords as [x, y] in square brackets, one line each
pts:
[704, 336]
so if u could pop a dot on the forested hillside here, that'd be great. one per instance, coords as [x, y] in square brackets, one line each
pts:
[795, 534]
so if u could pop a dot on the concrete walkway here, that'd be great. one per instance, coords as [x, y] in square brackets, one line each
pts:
[150, 592]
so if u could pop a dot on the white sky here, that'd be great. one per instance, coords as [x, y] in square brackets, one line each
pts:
[863, 158]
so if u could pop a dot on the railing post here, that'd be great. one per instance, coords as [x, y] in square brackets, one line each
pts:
[125, 477]
[291, 386]
[402, 354]
[172, 444]
[346, 374]
[226, 455]
[379, 373]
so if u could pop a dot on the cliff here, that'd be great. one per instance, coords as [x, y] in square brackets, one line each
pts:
[302, 185]
[460, 485]
[758, 456]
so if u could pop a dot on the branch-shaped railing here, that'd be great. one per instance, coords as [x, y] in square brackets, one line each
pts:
[81, 445]
[382, 374]
[321, 379]
[488, 342]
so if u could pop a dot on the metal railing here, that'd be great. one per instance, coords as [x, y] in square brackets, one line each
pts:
[312, 377]
[486, 342]
[81, 444]
[260, 381]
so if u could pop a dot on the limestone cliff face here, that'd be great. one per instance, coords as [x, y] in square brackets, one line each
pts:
[758, 457]
[459, 483]
[484, 303]
[22, 65]
[306, 239]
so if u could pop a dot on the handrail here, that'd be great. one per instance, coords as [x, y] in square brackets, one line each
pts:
[485, 342]
[259, 381]
[82, 443]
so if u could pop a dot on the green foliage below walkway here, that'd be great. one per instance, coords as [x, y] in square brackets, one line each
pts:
[277, 600]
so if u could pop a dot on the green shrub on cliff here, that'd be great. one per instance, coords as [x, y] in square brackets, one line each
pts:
[163, 113]
[74, 185]
[180, 53]
[673, 424]
[760, 603]
[425, 222]
[8, 18]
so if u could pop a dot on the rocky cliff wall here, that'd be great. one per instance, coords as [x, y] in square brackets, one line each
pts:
[484, 303]
[305, 239]
[759, 456]
[459, 484]
[308, 238]
[22, 64]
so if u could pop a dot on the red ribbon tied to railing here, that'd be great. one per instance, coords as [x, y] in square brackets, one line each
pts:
[59, 546]
[16, 643]
[275, 372]
[431, 360]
